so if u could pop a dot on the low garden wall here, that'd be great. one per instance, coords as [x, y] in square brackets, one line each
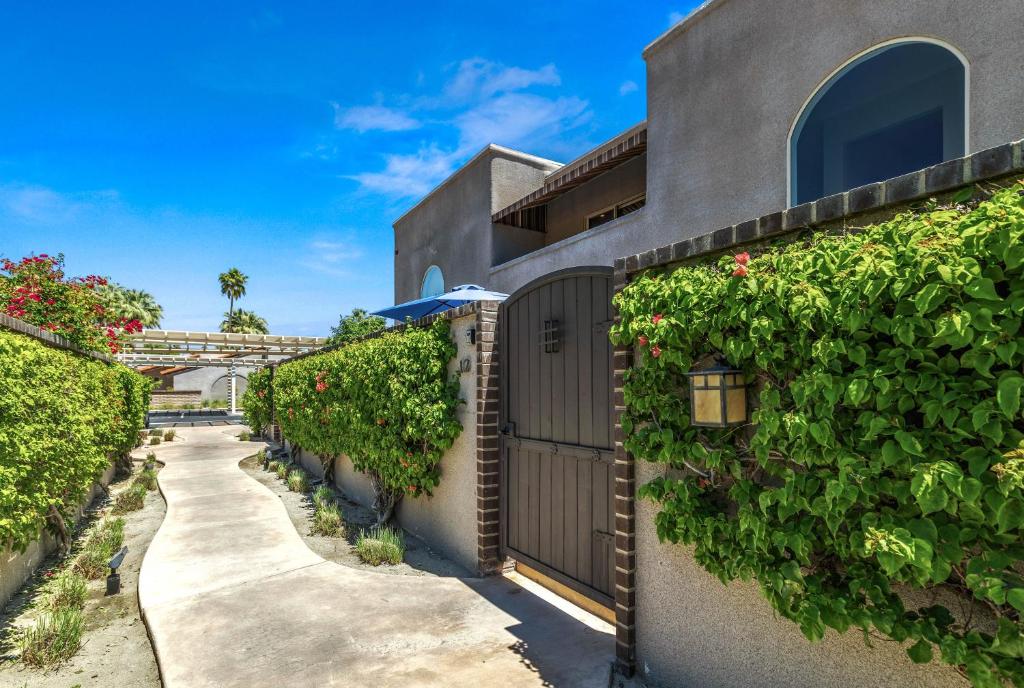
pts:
[65, 415]
[459, 515]
[677, 623]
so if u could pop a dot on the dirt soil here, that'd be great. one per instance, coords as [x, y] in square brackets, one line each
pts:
[115, 645]
[420, 560]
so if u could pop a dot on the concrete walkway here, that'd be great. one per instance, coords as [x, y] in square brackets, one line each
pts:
[233, 597]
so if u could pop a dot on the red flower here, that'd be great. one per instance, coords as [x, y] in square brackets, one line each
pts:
[655, 351]
[742, 258]
[642, 340]
[321, 386]
[702, 482]
[50, 302]
[657, 318]
[740, 271]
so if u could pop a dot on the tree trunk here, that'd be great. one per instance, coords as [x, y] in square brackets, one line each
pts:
[123, 466]
[61, 530]
[328, 464]
[385, 499]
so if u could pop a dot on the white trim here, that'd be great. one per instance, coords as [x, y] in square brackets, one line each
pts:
[861, 56]
[423, 281]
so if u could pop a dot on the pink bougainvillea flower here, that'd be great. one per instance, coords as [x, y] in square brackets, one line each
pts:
[742, 258]
[655, 351]
[642, 340]
[657, 318]
[740, 271]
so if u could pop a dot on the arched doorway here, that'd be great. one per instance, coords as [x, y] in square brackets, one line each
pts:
[897, 108]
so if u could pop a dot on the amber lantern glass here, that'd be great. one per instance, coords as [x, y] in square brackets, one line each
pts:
[718, 397]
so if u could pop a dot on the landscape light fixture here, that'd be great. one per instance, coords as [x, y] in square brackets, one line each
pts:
[718, 397]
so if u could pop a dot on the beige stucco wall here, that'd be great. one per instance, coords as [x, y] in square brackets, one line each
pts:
[16, 567]
[694, 631]
[446, 520]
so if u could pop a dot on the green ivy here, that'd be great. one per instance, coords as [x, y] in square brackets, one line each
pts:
[63, 417]
[388, 403]
[884, 453]
[256, 411]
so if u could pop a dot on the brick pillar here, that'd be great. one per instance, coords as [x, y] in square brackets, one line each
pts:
[488, 454]
[625, 518]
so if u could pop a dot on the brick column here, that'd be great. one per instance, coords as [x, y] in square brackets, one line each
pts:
[488, 454]
[625, 519]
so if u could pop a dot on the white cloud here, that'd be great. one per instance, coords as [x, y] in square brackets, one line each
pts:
[479, 78]
[514, 118]
[675, 17]
[332, 257]
[365, 118]
[39, 205]
[483, 102]
[408, 175]
[627, 87]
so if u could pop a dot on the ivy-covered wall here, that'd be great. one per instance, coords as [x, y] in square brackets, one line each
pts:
[63, 418]
[877, 487]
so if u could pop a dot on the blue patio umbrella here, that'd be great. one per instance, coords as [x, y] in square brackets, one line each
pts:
[462, 294]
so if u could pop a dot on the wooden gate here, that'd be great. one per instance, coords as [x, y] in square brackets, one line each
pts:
[558, 474]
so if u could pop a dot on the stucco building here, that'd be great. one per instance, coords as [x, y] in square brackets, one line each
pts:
[749, 111]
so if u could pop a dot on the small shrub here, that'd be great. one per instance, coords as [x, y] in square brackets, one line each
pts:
[156, 432]
[244, 436]
[327, 521]
[169, 436]
[381, 545]
[298, 480]
[323, 496]
[131, 499]
[150, 463]
[272, 465]
[282, 470]
[147, 478]
[143, 436]
[66, 590]
[55, 638]
[153, 441]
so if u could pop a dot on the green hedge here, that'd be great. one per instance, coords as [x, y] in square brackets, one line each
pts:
[256, 411]
[63, 417]
[885, 449]
[388, 403]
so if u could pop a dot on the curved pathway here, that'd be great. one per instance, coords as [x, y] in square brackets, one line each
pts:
[233, 597]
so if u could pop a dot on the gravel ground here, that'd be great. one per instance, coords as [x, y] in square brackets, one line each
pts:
[420, 560]
[115, 645]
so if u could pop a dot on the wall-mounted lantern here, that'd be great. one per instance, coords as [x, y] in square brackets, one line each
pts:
[718, 397]
[471, 335]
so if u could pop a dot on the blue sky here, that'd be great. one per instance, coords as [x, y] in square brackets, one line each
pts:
[161, 143]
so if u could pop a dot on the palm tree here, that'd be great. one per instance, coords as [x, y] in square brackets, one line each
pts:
[244, 322]
[131, 304]
[232, 285]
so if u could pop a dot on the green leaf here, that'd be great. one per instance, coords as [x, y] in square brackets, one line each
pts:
[983, 288]
[1016, 598]
[1010, 515]
[1008, 394]
[920, 652]
[909, 443]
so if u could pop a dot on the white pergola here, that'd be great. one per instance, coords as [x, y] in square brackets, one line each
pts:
[174, 351]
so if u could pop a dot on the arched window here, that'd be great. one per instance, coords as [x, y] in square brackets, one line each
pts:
[895, 109]
[433, 283]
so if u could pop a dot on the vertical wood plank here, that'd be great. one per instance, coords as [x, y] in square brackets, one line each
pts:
[557, 511]
[533, 339]
[585, 523]
[544, 391]
[512, 496]
[584, 301]
[602, 360]
[556, 309]
[533, 548]
[544, 508]
[570, 492]
[570, 378]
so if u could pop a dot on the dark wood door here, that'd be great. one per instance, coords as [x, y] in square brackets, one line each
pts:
[558, 477]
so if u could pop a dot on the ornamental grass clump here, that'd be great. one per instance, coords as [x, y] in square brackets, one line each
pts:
[156, 432]
[153, 441]
[244, 436]
[381, 545]
[327, 520]
[388, 403]
[886, 446]
[104, 539]
[133, 498]
[298, 480]
[147, 478]
[169, 436]
[322, 495]
[282, 470]
[54, 638]
[66, 590]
